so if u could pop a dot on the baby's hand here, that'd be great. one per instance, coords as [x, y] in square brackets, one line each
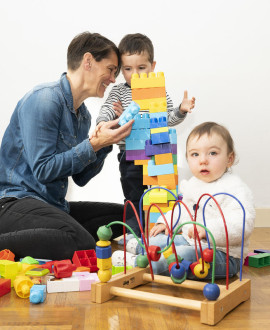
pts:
[158, 229]
[187, 104]
[117, 107]
[200, 230]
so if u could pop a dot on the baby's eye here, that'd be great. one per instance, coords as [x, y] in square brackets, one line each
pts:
[213, 153]
[142, 68]
[194, 154]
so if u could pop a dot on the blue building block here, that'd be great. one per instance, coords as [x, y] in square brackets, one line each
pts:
[158, 115]
[103, 252]
[139, 134]
[154, 170]
[158, 122]
[135, 144]
[172, 135]
[37, 294]
[129, 113]
[141, 121]
[158, 138]
[157, 149]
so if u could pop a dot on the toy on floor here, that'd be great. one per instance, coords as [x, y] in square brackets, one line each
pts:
[219, 299]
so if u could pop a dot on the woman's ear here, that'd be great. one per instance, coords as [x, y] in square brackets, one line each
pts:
[87, 61]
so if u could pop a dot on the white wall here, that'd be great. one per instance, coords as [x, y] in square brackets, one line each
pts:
[218, 50]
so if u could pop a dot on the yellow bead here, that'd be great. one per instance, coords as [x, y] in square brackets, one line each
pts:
[103, 243]
[168, 252]
[104, 275]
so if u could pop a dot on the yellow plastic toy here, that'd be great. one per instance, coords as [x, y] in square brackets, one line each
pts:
[22, 286]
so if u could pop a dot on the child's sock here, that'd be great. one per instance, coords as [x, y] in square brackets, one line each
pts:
[118, 259]
[128, 237]
[133, 246]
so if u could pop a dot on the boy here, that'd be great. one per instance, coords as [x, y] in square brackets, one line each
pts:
[137, 56]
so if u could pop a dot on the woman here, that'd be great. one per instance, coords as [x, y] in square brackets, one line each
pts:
[46, 142]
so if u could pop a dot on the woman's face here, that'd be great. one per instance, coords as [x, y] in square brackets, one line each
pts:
[102, 74]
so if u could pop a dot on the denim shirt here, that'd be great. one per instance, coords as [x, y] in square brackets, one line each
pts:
[45, 143]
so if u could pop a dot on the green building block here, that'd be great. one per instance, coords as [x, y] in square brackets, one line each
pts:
[259, 260]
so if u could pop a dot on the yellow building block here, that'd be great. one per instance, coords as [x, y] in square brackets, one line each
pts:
[141, 162]
[148, 93]
[159, 130]
[163, 159]
[152, 80]
[104, 264]
[158, 196]
[167, 179]
[145, 104]
[175, 169]
[150, 180]
[145, 169]
[158, 106]
[9, 269]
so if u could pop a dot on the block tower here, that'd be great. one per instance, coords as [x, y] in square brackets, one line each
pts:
[152, 144]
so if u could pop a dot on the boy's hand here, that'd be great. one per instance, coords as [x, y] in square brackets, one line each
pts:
[158, 229]
[117, 107]
[187, 104]
[109, 133]
[200, 230]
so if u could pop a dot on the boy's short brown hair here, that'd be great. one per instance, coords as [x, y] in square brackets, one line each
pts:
[137, 43]
[209, 128]
[94, 43]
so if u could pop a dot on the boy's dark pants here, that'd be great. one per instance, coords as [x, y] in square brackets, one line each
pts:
[133, 188]
[30, 227]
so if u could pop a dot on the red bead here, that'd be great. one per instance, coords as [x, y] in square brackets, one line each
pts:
[153, 252]
[208, 255]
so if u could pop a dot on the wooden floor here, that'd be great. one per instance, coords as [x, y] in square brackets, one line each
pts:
[75, 310]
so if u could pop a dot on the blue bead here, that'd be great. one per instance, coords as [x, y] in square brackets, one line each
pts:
[211, 291]
[178, 272]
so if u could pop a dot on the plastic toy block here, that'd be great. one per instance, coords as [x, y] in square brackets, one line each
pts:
[86, 258]
[139, 134]
[150, 180]
[152, 149]
[174, 159]
[170, 180]
[154, 170]
[7, 255]
[39, 272]
[135, 144]
[137, 155]
[261, 251]
[146, 104]
[104, 264]
[159, 138]
[129, 113]
[259, 260]
[63, 285]
[86, 280]
[158, 105]
[158, 115]
[247, 257]
[141, 161]
[173, 136]
[165, 207]
[62, 269]
[158, 130]
[9, 269]
[153, 217]
[5, 286]
[175, 193]
[141, 121]
[82, 269]
[163, 159]
[158, 122]
[104, 252]
[29, 260]
[148, 93]
[151, 81]
[119, 269]
[43, 261]
[175, 169]
[158, 196]
[37, 294]
[22, 286]
[174, 149]
[48, 265]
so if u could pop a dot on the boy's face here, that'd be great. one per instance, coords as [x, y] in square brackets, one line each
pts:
[208, 157]
[136, 63]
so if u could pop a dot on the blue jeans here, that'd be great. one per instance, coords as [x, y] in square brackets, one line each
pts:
[187, 252]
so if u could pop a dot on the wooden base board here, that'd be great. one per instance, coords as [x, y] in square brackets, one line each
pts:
[211, 312]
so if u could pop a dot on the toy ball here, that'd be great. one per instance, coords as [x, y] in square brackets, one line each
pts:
[142, 261]
[208, 255]
[177, 271]
[211, 291]
[104, 233]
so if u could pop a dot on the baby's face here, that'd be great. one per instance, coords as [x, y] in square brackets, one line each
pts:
[136, 63]
[208, 157]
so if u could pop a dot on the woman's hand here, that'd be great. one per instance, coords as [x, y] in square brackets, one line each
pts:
[109, 133]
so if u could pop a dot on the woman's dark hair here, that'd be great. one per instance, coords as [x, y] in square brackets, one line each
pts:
[94, 43]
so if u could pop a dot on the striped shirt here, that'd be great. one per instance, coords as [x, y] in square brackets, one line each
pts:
[122, 93]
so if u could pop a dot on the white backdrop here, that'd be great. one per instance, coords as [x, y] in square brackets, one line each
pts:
[218, 50]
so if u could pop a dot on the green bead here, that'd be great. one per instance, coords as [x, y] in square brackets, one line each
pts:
[171, 258]
[179, 280]
[29, 261]
[104, 233]
[142, 261]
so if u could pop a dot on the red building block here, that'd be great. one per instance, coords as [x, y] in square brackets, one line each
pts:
[86, 258]
[5, 286]
[7, 255]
